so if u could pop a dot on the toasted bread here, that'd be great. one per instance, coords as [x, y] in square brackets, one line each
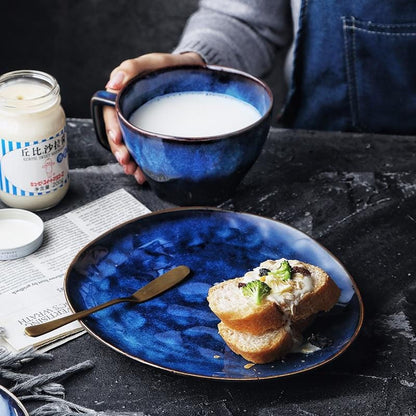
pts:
[258, 349]
[240, 312]
[322, 298]
[263, 329]
[310, 291]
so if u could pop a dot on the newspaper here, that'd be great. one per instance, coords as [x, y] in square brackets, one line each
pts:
[31, 288]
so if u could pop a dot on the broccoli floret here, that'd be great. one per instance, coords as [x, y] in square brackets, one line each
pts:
[257, 289]
[284, 272]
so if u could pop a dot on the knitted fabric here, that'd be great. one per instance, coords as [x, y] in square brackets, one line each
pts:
[45, 388]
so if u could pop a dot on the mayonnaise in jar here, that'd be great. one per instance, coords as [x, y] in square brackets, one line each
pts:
[33, 145]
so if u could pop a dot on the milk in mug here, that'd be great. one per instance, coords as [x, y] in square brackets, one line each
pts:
[194, 114]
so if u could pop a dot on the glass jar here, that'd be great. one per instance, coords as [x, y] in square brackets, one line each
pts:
[33, 145]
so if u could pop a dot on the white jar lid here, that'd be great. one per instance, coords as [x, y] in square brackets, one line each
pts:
[21, 233]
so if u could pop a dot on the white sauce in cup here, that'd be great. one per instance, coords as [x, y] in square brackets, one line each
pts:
[194, 114]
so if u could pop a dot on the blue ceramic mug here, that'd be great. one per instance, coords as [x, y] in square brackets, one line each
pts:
[189, 171]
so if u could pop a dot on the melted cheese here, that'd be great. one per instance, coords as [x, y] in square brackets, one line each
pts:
[287, 294]
[306, 348]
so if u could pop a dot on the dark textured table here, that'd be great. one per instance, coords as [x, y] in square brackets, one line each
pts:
[356, 195]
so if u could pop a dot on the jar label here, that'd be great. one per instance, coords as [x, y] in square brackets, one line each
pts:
[34, 168]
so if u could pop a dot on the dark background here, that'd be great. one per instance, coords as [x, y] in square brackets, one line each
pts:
[79, 42]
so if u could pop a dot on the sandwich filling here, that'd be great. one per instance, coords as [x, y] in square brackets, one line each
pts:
[288, 280]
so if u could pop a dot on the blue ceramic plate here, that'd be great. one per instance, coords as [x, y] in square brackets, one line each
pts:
[10, 405]
[177, 331]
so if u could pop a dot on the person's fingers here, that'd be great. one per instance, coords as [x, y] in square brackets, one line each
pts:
[128, 164]
[139, 176]
[112, 126]
[132, 67]
[191, 58]
[123, 157]
[118, 78]
[115, 141]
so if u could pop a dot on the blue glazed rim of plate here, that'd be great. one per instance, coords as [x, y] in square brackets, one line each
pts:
[177, 331]
[10, 403]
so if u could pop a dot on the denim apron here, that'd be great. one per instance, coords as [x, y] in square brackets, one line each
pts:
[354, 67]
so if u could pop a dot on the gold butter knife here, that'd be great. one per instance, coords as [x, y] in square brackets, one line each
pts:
[149, 291]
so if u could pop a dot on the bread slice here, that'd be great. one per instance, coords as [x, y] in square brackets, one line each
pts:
[309, 291]
[240, 312]
[321, 298]
[258, 349]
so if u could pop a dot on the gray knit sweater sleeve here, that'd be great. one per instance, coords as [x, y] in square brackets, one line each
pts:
[243, 34]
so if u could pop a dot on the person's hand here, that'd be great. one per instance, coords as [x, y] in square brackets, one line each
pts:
[118, 78]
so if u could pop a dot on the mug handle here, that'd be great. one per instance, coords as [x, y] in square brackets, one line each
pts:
[98, 100]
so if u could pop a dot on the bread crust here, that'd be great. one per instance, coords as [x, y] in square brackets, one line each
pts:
[265, 332]
[262, 349]
[324, 296]
[242, 314]
[248, 317]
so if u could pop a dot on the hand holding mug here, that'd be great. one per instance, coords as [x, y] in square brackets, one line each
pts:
[119, 77]
[193, 131]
